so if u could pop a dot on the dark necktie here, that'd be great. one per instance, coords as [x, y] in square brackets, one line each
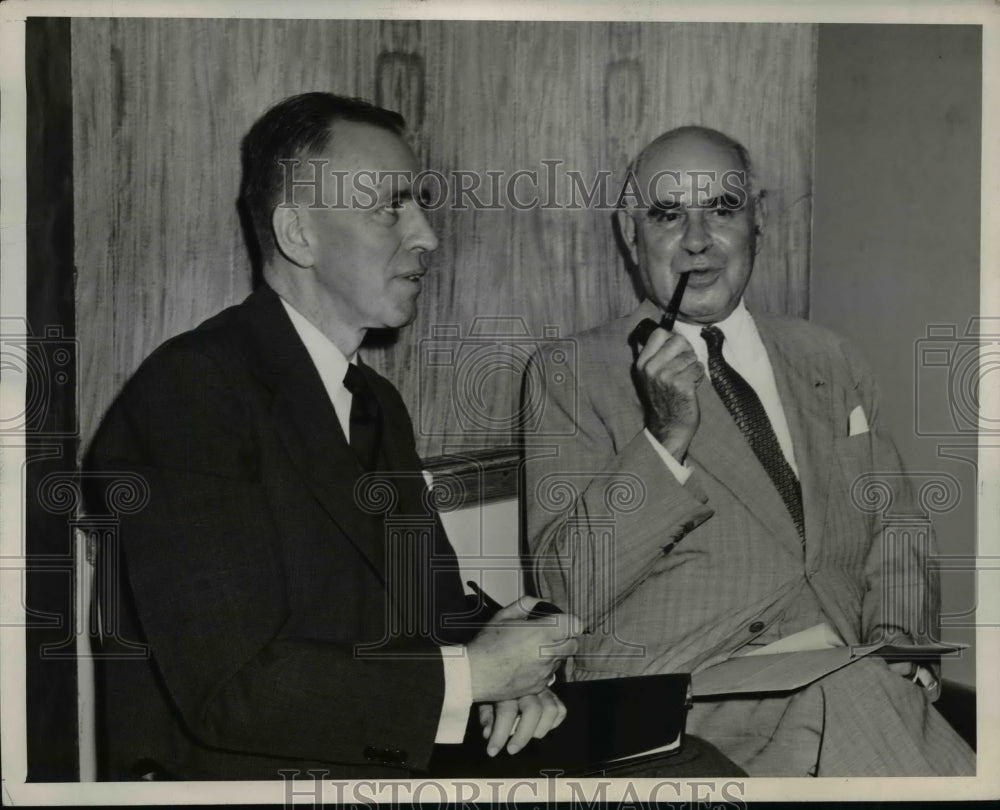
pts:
[746, 408]
[366, 418]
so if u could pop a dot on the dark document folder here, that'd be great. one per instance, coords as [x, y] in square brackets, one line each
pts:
[609, 723]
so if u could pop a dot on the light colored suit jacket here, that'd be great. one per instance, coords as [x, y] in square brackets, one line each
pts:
[676, 578]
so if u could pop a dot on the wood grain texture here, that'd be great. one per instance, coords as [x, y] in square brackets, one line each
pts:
[476, 477]
[161, 105]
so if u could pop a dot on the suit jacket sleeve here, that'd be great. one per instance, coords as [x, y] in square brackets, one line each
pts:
[598, 514]
[902, 597]
[205, 570]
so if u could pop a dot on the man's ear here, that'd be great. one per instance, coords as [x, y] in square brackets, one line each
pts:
[291, 236]
[759, 220]
[626, 227]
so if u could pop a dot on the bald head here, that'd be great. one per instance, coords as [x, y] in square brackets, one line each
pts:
[696, 144]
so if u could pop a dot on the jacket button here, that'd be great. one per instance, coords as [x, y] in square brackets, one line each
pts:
[756, 627]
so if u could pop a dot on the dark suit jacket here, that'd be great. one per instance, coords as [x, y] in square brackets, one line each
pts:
[258, 566]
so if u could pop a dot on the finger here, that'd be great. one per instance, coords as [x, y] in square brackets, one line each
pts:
[904, 668]
[926, 678]
[698, 370]
[690, 375]
[656, 340]
[553, 712]
[486, 719]
[574, 624]
[559, 626]
[658, 353]
[558, 650]
[505, 713]
[675, 345]
[677, 374]
[517, 610]
[561, 712]
[530, 707]
[674, 358]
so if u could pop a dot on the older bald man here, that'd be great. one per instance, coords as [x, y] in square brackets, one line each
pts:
[738, 437]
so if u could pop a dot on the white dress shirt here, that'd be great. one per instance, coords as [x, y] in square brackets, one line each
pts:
[744, 351]
[332, 367]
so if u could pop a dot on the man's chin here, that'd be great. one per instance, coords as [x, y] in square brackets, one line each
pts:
[399, 320]
[707, 314]
[385, 333]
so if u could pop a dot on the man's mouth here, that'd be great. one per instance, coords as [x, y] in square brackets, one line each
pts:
[702, 275]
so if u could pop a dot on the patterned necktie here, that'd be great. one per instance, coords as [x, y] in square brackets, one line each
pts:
[366, 418]
[748, 412]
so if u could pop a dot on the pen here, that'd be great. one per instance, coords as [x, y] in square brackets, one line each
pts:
[540, 609]
[488, 600]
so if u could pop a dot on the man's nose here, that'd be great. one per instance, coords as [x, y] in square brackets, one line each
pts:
[421, 236]
[696, 237]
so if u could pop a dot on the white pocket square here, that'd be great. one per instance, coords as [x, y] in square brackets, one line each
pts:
[857, 423]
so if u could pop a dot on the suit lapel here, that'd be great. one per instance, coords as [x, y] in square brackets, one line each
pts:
[804, 386]
[307, 424]
[721, 449]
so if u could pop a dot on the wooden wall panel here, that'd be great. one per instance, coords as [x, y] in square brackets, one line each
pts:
[160, 107]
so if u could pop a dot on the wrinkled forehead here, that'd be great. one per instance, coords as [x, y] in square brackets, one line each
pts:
[691, 170]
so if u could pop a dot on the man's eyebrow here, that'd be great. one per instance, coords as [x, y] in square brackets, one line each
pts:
[665, 205]
[396, 194]
[731, 202]
[392, 180]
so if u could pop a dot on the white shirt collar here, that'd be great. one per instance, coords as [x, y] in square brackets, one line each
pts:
[329, 362]
[328, 359]
[742, 339]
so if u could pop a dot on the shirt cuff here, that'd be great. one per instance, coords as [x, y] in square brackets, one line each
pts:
[457, 696]
[681, 471]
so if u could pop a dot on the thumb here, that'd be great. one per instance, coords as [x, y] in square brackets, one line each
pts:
[561, 625]
[486, 719]
[574, 624]
[517, 610]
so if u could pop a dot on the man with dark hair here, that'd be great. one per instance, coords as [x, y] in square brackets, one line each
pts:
[288, 627]
[731, 443]
[291, 133]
